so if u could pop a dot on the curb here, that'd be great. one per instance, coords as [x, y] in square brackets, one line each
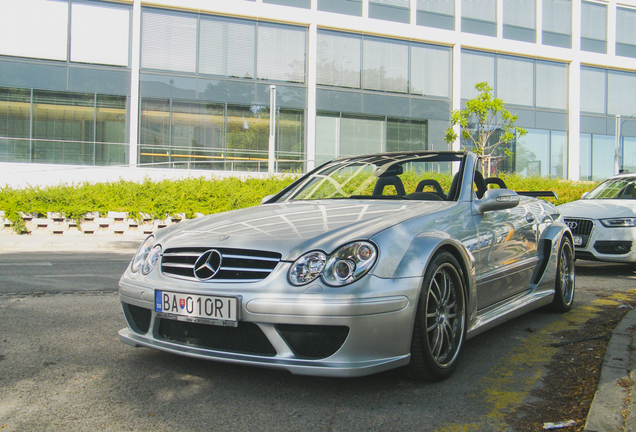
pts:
[613, 408]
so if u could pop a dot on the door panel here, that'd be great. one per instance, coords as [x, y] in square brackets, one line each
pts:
[507, 252]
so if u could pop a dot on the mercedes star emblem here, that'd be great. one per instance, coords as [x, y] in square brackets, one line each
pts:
[208, 264]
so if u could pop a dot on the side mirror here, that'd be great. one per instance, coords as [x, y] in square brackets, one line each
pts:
[497, 199]
[584, 195]
[266, 198]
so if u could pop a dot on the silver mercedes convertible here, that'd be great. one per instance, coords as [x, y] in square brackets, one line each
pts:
[364, 264]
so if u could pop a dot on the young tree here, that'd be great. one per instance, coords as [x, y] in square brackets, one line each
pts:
[486, 124]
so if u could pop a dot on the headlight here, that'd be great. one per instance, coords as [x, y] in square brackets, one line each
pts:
[349, 263]
[619, 222]
[152, 260]
[307, 268]
[142, 254]
[346, 265]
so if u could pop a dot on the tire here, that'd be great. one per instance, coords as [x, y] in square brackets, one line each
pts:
[439, 330]
[564, 285]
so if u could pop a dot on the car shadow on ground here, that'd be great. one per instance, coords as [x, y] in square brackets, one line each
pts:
[603, 269]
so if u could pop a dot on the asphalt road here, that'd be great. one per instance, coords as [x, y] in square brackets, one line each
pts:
[63, 368]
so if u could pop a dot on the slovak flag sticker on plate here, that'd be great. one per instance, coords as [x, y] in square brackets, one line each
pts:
[182, 303]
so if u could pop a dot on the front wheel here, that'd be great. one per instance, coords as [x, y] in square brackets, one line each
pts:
[564, 285]
[440, 324]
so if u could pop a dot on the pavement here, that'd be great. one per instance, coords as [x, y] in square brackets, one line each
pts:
[53, 242]
[614, 404]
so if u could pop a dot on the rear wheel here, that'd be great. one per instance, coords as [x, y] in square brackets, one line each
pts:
[564, 284]
[440, 324]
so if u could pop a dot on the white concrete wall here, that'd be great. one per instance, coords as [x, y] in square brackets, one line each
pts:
[19, 176]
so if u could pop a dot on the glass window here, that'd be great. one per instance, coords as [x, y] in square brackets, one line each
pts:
[557, 16]
[63, 127]
[327, 137]
[430, 70]
[227, 48]
[154, 132]
[629, 154]
[248, 137]
[385, 65]
[585, 160]
[552, 85]
[479, 17]
[281, 53]
[593, 90]
[519, 13]
[362, 135]
[67, 128]
[593, 21]
[18, 20]
[621, 93]
[596, 157]
[405, 135]
[558, 154]
[593, 27]
[290, 141]
[197, 134]
[482, 10]
[542, 153]
[295, 3]
[532, 156]
[626, 26]
[390, 10]
[347, 7]
[110, 130]
[603, 150]
[515, 80]
[476, 68]
[626, 32]
[168, 41]
[436, 13]
[15, 115]
[444, 7]
[100, 33]
[338, 59]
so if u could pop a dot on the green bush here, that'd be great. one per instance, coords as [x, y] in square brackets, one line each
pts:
[198, 195]
[157, 199]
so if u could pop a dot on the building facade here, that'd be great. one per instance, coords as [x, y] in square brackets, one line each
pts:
[128, 88]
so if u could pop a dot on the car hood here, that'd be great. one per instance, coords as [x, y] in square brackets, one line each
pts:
[296, 227]
[598, 208]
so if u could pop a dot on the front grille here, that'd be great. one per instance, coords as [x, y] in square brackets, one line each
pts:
[236, 265]
[313, 341]
[140, 318]
[580, 228]
[613, 247]
[247, 338]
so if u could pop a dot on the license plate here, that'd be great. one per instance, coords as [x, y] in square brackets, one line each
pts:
[578, 240]
[214, 310]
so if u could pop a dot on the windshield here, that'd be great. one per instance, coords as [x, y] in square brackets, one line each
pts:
[421, 176]
[616, 188]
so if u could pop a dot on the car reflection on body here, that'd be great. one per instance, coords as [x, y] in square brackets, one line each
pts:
[364, 264]
[603, 222]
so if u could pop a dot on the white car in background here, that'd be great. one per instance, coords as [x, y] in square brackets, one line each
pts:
[603, 222]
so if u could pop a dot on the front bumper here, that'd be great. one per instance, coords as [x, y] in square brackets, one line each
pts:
[607, 244]
[327, 333]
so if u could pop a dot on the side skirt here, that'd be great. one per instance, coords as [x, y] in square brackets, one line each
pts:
[507, 310]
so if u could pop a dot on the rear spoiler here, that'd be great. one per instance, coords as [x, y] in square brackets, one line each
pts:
[539, 194]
